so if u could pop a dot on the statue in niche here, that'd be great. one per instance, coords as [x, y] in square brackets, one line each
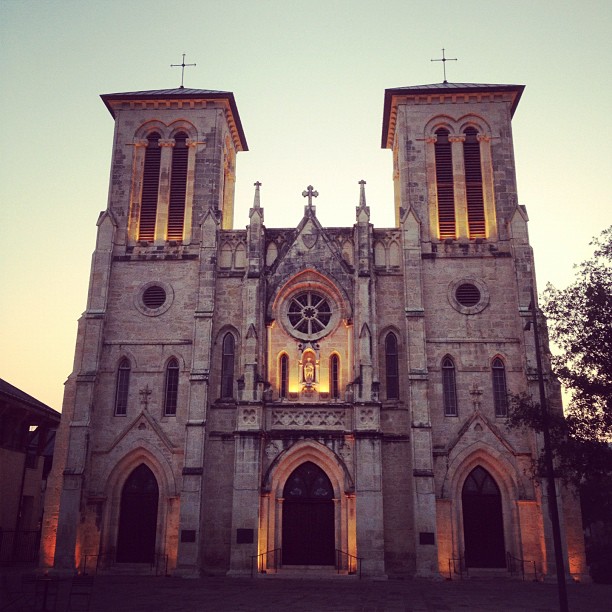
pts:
[308, 370]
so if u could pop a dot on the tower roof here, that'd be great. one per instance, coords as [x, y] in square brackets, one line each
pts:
[436, 90]
[113, 100]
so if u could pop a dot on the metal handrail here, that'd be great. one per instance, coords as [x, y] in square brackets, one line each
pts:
[510, 561]
[353, 563]
[277, 558]
[452, 568]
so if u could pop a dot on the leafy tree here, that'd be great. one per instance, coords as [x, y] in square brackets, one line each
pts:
[580, 324]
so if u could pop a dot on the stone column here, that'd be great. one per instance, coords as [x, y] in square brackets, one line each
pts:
[191, 159]
[486, 169]
[140, 148]
[369, 503]
[245, 503]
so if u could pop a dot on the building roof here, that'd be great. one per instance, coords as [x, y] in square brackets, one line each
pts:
[180, 93]
[12, 394]
[443, 88]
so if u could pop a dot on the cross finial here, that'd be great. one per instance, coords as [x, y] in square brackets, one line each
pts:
[310, 193]
[144, 396]
[182, 67]
[445, 59]
[256, 201]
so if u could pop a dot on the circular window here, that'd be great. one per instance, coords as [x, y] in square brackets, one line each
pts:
[468, 295]
[309, 315]
[154, 298]
[309, 312]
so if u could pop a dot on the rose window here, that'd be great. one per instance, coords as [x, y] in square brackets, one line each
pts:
[309, 313]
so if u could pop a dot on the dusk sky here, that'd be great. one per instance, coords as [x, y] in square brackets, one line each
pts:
[309, 80]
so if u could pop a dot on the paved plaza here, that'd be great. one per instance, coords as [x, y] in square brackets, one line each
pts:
[134, 593]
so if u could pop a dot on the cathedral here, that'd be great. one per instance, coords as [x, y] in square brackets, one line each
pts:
[284, 399]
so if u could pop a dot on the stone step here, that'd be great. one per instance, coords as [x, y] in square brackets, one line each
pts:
[308, 572]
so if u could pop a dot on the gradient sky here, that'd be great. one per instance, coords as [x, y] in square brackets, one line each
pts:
[309, 80]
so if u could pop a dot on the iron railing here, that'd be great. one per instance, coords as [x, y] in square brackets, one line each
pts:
[271, 559]
[19, 546]
[348, 563]
[516, 565]
[457, 566]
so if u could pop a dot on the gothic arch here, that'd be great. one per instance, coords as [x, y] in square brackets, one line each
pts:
[275, 478]
[309, 279]
[505, 475]
[115, 479]
[308, 450]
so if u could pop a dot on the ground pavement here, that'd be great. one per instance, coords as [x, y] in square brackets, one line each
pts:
[212, 594]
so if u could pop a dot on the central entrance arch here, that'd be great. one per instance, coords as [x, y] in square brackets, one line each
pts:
[138, 517]
[308, 535]
[483, 525]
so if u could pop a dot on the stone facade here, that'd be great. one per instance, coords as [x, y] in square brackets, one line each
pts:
[235, 365]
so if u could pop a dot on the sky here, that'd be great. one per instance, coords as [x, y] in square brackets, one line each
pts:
[309, 80]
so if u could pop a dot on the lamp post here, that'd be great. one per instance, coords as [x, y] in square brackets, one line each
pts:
[548, 461]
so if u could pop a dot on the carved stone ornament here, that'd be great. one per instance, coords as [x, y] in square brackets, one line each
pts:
[345, 451]
[293, 418]
[310, 240]
[248, 416]
[272, 450]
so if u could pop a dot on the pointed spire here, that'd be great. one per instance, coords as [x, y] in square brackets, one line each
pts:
[362, 198]
[256, 201]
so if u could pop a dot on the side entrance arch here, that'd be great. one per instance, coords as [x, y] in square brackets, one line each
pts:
[483, 525]
[138, 517]
[308, 536]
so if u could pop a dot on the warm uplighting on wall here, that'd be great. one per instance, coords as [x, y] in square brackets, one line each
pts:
[47, 548]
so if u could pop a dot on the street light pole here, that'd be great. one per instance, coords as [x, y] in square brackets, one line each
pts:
[550, 469]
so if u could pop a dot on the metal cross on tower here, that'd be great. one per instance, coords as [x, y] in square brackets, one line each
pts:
[445, 59]
[182, 67]
[310, 193]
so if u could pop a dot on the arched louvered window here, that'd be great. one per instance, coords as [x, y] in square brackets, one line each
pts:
[391, 366]
[178, 187]
[283, 372]
[171, 388]
[150, 189]
[444, 184]
[473, 184]
[122, 387]
[334, 376]
[500, 393]
[227, 366]
[449, 387]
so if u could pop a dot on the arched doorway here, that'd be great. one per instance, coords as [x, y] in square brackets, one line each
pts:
[483, 526]
[138, 517]
[308, 517]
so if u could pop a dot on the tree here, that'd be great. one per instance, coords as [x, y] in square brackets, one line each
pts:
[580, 325]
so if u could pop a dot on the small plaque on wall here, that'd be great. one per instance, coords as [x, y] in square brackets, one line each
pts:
[427, 537]
[244, 536]
[188, 535]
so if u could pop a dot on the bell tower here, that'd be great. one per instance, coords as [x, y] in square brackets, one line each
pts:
[174, 158]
